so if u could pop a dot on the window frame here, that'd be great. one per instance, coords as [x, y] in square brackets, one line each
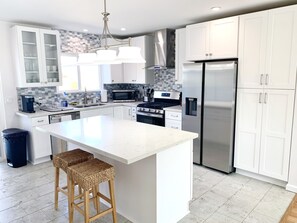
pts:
[80, 90]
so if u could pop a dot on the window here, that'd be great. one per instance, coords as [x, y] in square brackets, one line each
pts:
[78, 77]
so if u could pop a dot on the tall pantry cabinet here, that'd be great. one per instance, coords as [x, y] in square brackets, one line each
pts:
[266, 86]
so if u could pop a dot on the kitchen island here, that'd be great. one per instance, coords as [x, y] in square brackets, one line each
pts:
[153, 164]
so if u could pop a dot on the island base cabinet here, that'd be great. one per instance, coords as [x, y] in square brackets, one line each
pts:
[152, 183]
[263, 131]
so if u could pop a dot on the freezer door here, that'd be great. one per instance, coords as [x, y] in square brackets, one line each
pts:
[191, 104]
[218, 115]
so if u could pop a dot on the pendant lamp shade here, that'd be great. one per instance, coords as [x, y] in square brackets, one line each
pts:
[106, 57]
[130, 54]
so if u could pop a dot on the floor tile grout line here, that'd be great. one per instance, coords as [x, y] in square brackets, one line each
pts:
[258, 203]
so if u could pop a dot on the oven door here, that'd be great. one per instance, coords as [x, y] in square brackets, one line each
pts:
[154, 119]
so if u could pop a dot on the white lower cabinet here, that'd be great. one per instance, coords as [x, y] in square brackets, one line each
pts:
[263, 131]
[95, 112]
[39, 143]
[173, 119]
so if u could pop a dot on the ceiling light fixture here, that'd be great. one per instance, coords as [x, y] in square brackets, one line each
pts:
[123, 29]
[85, 30]
[217, 8]
[106, 55]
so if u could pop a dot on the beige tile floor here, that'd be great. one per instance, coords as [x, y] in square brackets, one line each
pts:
[26, 195]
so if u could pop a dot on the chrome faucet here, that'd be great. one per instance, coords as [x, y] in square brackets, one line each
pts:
[85, 98]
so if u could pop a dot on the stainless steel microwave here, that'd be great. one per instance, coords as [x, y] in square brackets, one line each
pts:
[123, 95]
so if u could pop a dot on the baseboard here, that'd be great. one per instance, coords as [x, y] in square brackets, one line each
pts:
[262, 178]
[292, 188]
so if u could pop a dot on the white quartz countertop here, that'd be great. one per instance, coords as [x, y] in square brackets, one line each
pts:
[121, 140]
[40, 113]
[177, 108]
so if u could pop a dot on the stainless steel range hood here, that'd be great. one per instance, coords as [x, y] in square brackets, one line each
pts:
[164, 49]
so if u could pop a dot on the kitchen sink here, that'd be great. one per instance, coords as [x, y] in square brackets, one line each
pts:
[88, 105]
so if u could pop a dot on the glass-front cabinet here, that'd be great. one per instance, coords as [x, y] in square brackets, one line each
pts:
[37, 57]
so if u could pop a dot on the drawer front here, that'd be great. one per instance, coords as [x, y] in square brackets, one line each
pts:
[173, 115]
[172, 124]
[40, 121]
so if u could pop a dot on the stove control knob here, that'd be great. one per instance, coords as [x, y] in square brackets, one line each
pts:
[147, 109]
[152, 110]
[157, 111]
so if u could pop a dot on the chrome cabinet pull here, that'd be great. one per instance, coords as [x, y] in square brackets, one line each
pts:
[206, 54]
[265, 98]
[260, 96]
[266, 79]
[210, 54]
[261, 79]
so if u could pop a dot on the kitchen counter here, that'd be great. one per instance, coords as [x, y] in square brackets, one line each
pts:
[177, 108]
[153, 164]
[39, 113]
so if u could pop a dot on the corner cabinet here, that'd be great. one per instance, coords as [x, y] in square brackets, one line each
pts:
[216, 39]
[263, 131]
[268, 49]
[137, 73]
[37, 55]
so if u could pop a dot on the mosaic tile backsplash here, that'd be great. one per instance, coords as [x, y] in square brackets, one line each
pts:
[76, 42]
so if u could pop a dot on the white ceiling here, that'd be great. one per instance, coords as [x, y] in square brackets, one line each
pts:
[137, 16]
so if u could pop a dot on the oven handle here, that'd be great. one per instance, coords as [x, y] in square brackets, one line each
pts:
[149, 115]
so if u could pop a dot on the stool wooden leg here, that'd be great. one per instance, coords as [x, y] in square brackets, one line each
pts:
[95, 197]
[87, 206]
[70, 185]
[57, 177]
[112, 198]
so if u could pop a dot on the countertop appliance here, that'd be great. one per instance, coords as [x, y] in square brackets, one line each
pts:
[27, 103]
[123, 95]
[153, 112]
[57, 144]
[208, 101]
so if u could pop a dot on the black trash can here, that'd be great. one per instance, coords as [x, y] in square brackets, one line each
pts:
[15, 143]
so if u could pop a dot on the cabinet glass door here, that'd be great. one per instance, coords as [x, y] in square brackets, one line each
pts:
[51, 57]
[29, 42]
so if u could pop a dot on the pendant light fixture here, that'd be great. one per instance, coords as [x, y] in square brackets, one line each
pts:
[106, 55]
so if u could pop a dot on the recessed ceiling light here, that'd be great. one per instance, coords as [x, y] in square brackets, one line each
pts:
[85, 30]
[217, 8]
[123, 29]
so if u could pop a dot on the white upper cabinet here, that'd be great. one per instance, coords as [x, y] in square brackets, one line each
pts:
[137, 73]
[37, 55]
[268, 49]
[112, 73]
[212, 40]
[180, 53]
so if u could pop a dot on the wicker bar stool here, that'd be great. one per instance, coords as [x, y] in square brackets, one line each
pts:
[63, 161]
[88, 175]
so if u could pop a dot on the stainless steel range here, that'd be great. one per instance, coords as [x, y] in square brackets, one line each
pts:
[153, 112]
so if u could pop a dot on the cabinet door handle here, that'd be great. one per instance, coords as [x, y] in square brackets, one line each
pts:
[260, 96]
[267, 79]
[210, 54]
[265, 98]
[130, 112]
[39, 121]
[261, 79]
[206, 54]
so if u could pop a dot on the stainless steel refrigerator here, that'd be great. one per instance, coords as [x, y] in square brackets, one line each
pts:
[208, 97]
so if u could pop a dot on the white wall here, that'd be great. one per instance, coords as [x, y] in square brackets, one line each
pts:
[292, 183]
[9, 101]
